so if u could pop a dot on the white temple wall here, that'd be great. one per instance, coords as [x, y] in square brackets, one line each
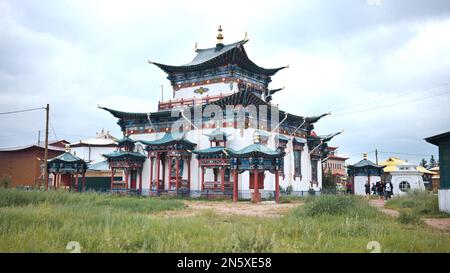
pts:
[213, 90]
[360, 181]
[444, 200]
[415, 181]
[237, 142]
[92, 153]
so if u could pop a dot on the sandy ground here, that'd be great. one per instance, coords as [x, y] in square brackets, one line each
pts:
[263, 209]
[437, 223]
[379, 204]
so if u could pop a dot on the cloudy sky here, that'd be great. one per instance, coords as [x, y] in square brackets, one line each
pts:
[381, 66]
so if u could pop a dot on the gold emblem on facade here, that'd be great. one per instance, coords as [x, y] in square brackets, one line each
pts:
[201, 90]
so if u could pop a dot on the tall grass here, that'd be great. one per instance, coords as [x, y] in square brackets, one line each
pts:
[420, 203]
[12, 198]
[100, 226]
[348, 205]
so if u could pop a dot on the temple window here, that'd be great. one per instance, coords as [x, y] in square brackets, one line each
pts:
[297, 163]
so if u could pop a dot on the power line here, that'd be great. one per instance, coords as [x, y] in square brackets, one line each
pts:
[389, 105]
[391, 97]
[53, 129]
[21, 111]
[383, 152]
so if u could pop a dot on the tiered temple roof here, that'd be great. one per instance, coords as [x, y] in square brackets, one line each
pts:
[231, 54]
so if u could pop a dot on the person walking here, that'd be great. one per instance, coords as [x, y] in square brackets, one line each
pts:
[380, 190]
[374, 189]
[367, 187]
[388, 189]
[349, 187]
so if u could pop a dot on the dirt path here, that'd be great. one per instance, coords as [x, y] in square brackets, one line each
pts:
[437, 223]
[264, 209]
[379, 204]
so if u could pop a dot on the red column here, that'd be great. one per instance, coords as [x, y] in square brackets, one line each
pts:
[255, 186]
[177, 179]
[157, 171]
[170, 171]
[203, 178]
[222, 178]
[189, 174]
[84, 181]
[112, 178]
[163, 164]
[76, 182]
[140, 181]
[277, 186]
[151, 173]
[235, 185]
[126, 178]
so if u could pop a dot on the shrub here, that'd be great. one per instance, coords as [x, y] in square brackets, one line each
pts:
[337, 205]
[252, 242]
[407, 217]
[419, 202]
[6, 181]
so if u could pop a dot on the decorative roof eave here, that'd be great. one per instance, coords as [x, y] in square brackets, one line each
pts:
[299, 140]
[121, 114]
[315, 119]
[126, 140]
[257, 150]
[281, 137]
[243, 98]
[168, 139]
[365, 163]
[327, 138]
[218, 135]
[214, 150]
[66, 158]
[125, 154]
[435, 140]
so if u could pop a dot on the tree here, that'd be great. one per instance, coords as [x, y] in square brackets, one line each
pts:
[329, 181]
[432, 162]
[6, 181]
[423, 163]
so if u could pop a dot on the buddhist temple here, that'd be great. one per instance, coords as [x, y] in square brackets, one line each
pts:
[220, 135]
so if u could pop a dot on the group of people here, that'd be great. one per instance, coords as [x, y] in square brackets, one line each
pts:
[382, 189]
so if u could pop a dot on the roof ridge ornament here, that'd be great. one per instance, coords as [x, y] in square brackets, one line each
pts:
[196, 47]
[219, 38]
[245, 37]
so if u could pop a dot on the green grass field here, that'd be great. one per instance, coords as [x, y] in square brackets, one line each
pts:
[418, 204]
[46, 222]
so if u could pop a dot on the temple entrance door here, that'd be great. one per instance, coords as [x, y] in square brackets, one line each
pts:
[133, 179]
[260, 180]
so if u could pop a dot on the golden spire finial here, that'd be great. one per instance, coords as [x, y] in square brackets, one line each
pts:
[256, 137]
[220, 36]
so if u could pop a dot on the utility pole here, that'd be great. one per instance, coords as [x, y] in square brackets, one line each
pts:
[47, 110]
[376, 156]
[39, 138]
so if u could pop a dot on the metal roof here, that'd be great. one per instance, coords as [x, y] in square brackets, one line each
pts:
[66, 157]
[218, 56]
[167, 139]
[255, 150]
